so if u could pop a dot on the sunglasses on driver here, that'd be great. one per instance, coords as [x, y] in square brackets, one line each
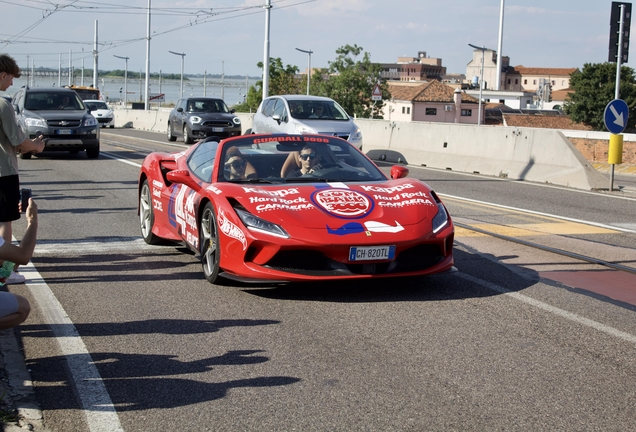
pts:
[308, 156]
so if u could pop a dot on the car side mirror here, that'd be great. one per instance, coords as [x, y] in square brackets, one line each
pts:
[16, 109]
[277, 118]
[183, 177]
[180, 109]
[232, 111]
[398, 172]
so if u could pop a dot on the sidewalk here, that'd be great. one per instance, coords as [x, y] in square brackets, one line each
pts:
[19, 411]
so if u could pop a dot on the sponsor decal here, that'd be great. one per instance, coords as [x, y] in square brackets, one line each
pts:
[346, 229]
[368, 228]
[373, 226]
[289, 139]
[344, 203]
[406, 203]
[156, 193]
[267, 203]
[231, 230]
[157, 205]
[181, 213]
[214, 190]
[277, 193]
[390, 190]
[157, 184]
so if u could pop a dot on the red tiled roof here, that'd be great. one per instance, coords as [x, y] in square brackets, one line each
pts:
[432, 91]
[543, 121]
[522, 70]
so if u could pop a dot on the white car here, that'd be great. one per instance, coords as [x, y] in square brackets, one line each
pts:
[102, 112]
[300, 114]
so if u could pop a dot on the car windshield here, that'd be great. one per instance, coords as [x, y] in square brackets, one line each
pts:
[96, 105]
[317, 110]
[49, 101]
[207, 106]
[294, 159]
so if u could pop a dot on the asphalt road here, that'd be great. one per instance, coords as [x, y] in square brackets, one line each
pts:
[502, 344]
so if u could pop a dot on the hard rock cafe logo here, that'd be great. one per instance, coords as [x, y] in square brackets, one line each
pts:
[344, 203]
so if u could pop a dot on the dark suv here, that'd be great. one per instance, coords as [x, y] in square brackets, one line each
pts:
[60, 116]
[196, 117]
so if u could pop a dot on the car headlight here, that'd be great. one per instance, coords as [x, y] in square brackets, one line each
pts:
[236, 120]
[441, 218]
[302, 129]
[261, 225]
[35, 122]
[90, 121]
[357, 135]
[195, 119]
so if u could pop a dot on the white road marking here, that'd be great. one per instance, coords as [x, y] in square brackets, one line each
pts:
[126, 161]
[551, 309]
[87, 247]
[616, 227]
[97, 406]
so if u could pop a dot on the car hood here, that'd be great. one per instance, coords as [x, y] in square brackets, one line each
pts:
[101, 112]
[378, 206]
[328, 127]
[213, 116]
[56, 114]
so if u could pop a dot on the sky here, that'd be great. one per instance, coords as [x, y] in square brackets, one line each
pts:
[228, 36]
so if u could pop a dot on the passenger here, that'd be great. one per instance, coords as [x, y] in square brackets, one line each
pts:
[14, 309]
[236, 167]
[297, 110]
[308, 160]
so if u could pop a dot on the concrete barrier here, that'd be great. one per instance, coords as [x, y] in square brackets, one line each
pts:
[538, 155]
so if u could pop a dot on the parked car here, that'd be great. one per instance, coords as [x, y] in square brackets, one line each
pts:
[342, 219]
[197, 117]
[101, 111]
[60, 116]
[299, 114]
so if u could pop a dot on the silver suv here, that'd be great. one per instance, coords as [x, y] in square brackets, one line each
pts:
[301, 114]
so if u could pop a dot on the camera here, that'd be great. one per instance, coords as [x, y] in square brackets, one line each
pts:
[25, 194]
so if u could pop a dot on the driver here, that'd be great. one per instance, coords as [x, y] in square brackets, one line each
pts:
[308, 162]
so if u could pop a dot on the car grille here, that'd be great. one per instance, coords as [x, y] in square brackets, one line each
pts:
[64, 123]
[312, 262]
[217, 123]
[104, 119]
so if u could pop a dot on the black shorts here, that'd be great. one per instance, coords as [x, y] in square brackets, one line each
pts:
[9, 198]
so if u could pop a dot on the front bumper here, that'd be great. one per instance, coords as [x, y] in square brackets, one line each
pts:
[77, 138]
[219, 129]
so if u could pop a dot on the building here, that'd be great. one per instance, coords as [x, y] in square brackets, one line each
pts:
[420, 68]
[521, 78]
[473, 68]
[432, 101]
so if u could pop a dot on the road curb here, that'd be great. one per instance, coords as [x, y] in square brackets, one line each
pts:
[17, 386]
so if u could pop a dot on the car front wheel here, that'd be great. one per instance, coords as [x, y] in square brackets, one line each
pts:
[171, 137]
[209, 244]
[147, 215]
[186, 135]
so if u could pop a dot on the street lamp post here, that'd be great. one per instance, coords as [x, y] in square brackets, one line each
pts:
[125, 80]
[182, 57]
[481, 78]
[309, 53]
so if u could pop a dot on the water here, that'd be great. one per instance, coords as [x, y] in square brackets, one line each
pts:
[232, 91]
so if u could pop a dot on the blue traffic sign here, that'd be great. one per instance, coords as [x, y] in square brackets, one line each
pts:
[615, 116]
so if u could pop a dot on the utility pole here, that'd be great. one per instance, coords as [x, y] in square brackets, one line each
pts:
[268, 8]
[147, 97]
[95, 58]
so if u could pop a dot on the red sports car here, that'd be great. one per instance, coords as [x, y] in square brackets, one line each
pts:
[290, 208]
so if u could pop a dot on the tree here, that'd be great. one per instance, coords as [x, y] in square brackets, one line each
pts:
[350, 82]
[282, 80]
[594, 87]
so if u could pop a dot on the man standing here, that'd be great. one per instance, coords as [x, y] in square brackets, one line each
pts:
[12, 141]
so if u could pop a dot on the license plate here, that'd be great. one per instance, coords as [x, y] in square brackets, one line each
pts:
[217, 129]
[64, 132]
[366, 253]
